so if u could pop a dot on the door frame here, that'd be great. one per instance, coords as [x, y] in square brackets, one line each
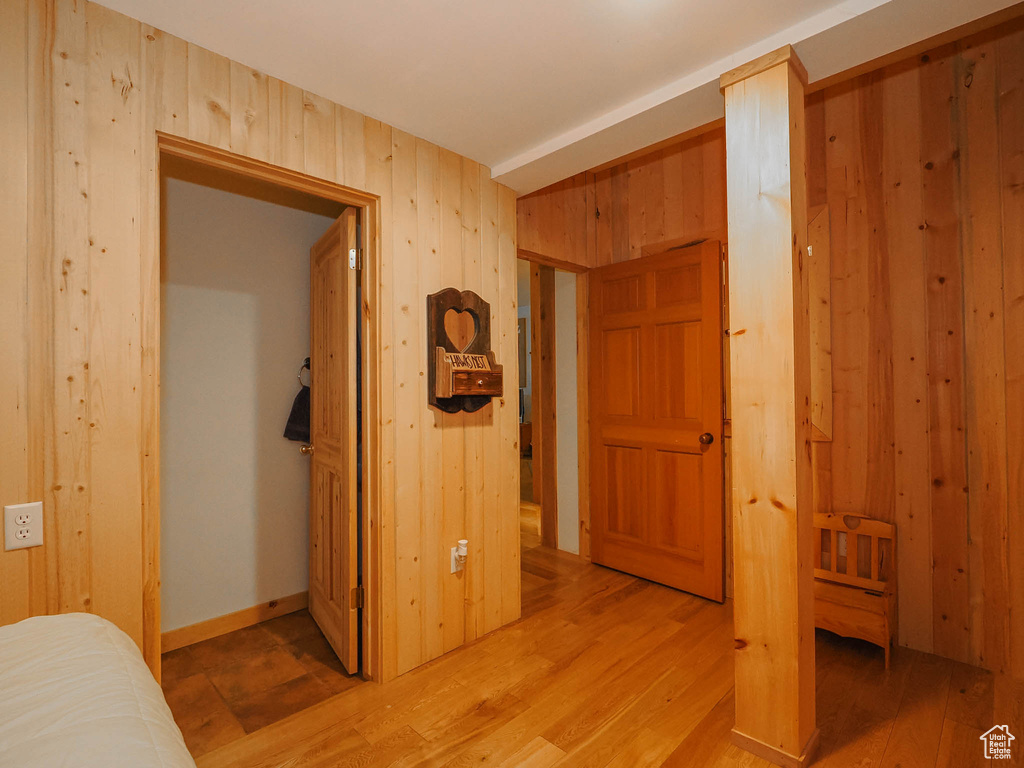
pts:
[369, 208]
[582, 393]
[583, 376]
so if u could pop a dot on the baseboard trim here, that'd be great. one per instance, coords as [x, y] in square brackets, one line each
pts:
[204, 630]
[775, 755]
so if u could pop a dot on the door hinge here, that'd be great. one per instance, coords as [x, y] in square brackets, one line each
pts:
[353, 258]
[358, 597]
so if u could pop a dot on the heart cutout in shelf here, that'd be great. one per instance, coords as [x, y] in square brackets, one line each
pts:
[461, 327]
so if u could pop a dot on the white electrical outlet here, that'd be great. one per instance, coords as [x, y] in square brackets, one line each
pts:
[23, 525]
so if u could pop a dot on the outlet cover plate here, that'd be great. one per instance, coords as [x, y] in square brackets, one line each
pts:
[23, 525]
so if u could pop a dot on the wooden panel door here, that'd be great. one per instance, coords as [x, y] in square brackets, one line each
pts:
[333, 533]
[656, 418]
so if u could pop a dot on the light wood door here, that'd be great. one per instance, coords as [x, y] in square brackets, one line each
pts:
[333, 533]
[656, 418]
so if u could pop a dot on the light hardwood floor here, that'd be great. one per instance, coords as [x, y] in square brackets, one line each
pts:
[608, 670]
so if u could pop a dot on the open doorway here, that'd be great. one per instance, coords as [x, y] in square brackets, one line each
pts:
[261, 548]
[548, 405]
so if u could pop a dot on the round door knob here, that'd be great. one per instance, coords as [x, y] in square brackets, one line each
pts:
[706, 439]
[306, 450]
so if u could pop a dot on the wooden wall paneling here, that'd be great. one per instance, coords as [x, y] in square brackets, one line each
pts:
[985, 354]
[713, 184]
[91, 431]
[819, 258]
[945, 356]
[165, 89]
[591, 214]
[575, 228]
[653, 191]
[583, 371]
[633, 213]
[680, 199]
[285, 104]
[433, 583]
[893, 155]
[688, 215]
[821, 462]
[16, 166]
[209, 97]
[376, 139]
[817, 143]
[667, 197]
[474, 423]
[68, 409]
[601, 253]
[1012, 99]
[583, 409]
[114, 122]
[164, 80]
[617, 212]
[880, 490]
[553, 220]
[544, 408]
[165, 61]
[770, 378]
[850, 301]
[492, 450]
[817, 200]
[408, 453]
[901, 177]
[508, 414]
[250, 112]
[42, 564]
[319, 140]
[1010, 69]
[454, 470]
[350, 154]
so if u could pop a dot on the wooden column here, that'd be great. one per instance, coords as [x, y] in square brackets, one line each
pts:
[543, 414]
[771, 429]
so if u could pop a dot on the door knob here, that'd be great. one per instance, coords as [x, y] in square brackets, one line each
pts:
[706, 439]
[306, 450]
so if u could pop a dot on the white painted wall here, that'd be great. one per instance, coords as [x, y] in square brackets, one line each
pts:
[235, 327]
[566, 412]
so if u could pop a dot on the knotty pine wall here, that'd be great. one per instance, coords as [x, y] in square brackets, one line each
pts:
[922, 167]
[667, 197]
[84, 91]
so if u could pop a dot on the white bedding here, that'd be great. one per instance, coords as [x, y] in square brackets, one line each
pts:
[75, 692]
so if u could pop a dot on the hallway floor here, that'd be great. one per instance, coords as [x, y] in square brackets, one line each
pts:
[608, 670]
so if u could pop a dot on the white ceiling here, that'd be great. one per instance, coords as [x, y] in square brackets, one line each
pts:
[540, 89]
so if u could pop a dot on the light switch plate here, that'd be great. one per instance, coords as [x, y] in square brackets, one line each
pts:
[23, 525]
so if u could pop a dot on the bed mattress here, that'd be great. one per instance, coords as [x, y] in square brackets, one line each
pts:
[76, 693]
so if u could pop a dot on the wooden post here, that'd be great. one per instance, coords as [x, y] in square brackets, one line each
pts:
[771, 429]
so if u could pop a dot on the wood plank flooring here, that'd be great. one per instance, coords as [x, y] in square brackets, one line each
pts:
[529, 524]
[237, 683]
[607, 670]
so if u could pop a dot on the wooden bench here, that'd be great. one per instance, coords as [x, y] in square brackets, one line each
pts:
[854, 568]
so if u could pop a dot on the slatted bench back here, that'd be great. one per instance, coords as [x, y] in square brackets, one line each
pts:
[854, 550]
